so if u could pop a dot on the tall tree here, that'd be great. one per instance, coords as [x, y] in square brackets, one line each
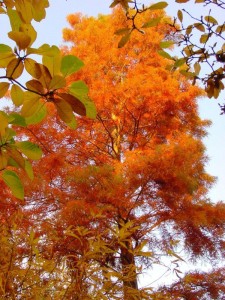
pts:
[129, 188]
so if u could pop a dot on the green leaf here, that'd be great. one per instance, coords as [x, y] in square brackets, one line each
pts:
[17, 119]
[179, 62]
[70, 64]
[31, 150]
[159, 5]
[165, 54]
[29, 170]
[122, 31]
[166, 44]
[38, 116]
[12, 180]
[124, 40]
[151, 23]
[80, 90]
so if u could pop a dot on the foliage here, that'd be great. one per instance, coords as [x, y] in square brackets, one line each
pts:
[47, 84]
[124, 191]
[201, 42]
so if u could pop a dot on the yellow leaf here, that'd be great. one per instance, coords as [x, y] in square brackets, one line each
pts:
[22, 39]
[3, 160]
[28, 29]
[57, 82]
[24, 9]
[35, 85]
[30, 105]
[3, 123]
[33, 68]
[15, 68]
[5, 59]
[3, 88]
[17, 95]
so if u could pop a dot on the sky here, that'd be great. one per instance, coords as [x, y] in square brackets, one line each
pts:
[50, 31]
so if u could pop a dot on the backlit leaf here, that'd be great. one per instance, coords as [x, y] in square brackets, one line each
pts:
[70, 64]
[38, 115]
[159, 5]
[17, 95]
[12, 180]
[210, 19]
[15, 68]
[77, 106]
[124, 40]
[22, 39]
[31, 150]
[57, 82]
[64, 110]
[152, 23]
[4, 86]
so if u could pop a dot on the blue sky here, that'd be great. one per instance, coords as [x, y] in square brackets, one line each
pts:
[50, 31]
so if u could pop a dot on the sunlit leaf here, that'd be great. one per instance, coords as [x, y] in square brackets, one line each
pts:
[77, 106]
[4, 86]
[57, 82]
[159, 5]
[17, 95]
[15, 68]
[151, 23]
[22, 39]
[125, 38]
[70, 64]
[38, 115]
[12, 180]
[210, 19]
[31, 150]
[64, 110]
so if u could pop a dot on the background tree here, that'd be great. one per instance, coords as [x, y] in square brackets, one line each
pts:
[128, 189]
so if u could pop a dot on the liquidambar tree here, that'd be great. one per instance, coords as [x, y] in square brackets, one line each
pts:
[126, 190]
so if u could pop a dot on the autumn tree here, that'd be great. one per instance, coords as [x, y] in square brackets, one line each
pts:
[128, 189]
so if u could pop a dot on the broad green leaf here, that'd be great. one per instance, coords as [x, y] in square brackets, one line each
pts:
[165, 54]
[70, 64]
[151, 23]
[32, 151]
[14, 18]
[5, 48]
[159, 5]
[12, 180]
[210, 19]
[4, 86]
[124, 40]
[17, 119]
[72, 124]
[57, 82]
[29, 170]
[17, 95]
[166, 44]
[80, 90]
[15, 68]
[38, 116]
[22, 39]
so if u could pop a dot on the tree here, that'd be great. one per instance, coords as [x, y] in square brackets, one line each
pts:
[201, 40]
[47, 83]
[129, 188]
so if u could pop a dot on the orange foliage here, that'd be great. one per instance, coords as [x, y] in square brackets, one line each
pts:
[134, 176]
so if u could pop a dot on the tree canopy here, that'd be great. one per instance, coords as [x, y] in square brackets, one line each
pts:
[124, 190]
